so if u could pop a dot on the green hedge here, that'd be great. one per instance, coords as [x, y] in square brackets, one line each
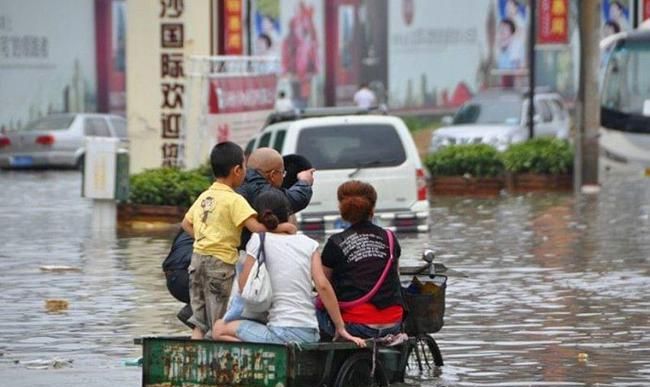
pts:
[478, 160]
[168, 186]
[543, 155]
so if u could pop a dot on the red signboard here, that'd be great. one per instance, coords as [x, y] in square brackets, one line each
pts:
[242, 94]
[553, 22]
[233, 32]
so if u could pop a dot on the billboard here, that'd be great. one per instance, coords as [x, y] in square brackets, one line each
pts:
[46, 65]
[357, 49]
[302, 48]
[238, 107]
[438, 56]
[616, 16]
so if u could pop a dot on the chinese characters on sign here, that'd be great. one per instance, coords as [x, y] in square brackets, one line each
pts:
[233, 32]
[172, 88]
[26, 46]
[553, 22]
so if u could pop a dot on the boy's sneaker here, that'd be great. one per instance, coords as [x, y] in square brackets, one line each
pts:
[185, 314]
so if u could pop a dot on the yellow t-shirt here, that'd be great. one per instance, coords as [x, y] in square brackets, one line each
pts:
[218, 216]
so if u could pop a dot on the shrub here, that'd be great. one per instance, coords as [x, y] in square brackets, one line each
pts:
[479, 160]
[542, 155]
[167, 186]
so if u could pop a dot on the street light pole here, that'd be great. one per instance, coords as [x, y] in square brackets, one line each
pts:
[531, 69]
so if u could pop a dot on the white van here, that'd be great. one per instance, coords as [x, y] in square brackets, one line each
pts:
[376, 149]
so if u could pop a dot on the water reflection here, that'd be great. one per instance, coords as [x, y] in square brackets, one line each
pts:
[556, 294]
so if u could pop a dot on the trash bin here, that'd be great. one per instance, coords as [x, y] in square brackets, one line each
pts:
[106, 170]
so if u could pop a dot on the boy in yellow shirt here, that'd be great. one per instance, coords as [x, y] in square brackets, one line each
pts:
[216, 220]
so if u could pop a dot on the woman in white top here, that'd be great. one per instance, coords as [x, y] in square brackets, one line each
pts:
[292, 262]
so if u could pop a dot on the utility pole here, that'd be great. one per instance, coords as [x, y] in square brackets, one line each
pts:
[532, 38]
[588, 106]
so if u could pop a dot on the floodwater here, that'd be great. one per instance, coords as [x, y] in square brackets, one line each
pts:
[556, 293]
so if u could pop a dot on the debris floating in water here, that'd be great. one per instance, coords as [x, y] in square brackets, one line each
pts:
[53, 306]
[60, 268]
[43, 364]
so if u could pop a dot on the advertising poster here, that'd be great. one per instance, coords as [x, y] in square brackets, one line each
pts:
[46, 65]
[238, 107]
[302, 47]
[616, 16]
[437, 56]
[512, 34]
[266, 28]
[553, 22]
[357, 49]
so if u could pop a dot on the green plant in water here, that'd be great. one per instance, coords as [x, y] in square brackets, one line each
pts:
[544, 155]
[168, 186]
[478, 160]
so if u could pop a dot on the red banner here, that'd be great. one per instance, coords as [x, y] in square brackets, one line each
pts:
[553, 22]
[242, 94]
[646, 9]
[233, 43]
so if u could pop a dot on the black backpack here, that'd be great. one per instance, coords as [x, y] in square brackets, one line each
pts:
[180, 255]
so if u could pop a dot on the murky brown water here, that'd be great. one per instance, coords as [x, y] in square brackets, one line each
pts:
[557, 292]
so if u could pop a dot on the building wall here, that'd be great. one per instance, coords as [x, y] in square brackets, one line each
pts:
[153, 100]
[46, 65]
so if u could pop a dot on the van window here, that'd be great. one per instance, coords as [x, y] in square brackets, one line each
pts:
[265, 140]
[351, 146]
[249, 147]
[279, 140]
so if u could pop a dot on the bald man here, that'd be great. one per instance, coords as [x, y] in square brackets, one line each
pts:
[265, 171]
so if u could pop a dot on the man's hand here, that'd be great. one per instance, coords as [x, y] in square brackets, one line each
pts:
[307, 176]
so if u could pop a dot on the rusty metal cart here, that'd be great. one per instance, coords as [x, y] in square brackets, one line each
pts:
[179, 361]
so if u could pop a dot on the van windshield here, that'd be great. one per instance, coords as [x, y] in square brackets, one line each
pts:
[351, 146]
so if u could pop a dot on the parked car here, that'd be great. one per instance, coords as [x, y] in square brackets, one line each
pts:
[341, 145]
[57, 140]
[500, 118]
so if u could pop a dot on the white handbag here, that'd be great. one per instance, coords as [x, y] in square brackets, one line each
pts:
[257, 291]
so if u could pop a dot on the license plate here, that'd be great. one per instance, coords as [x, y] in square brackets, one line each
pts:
[22, 161]
[340, 223]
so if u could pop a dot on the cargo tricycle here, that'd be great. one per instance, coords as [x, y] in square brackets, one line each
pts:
[179, 361]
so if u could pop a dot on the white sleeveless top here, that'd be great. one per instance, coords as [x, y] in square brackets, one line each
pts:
[288, 261]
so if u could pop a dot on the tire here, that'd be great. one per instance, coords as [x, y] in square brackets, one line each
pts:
[355, 372]
[424, 355]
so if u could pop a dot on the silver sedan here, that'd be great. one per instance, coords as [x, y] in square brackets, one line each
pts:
[57, 140]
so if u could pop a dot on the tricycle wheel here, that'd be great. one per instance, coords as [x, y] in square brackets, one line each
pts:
[424, 353]
[356, 370]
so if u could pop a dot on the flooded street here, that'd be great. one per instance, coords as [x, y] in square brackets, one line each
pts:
[557, 293]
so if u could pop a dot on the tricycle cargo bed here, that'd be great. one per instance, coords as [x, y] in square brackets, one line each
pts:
[179, 361]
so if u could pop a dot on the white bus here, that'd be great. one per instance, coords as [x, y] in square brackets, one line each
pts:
[625, 105]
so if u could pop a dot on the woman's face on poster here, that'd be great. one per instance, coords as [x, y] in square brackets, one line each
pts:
[511, 9]
[615, 11]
